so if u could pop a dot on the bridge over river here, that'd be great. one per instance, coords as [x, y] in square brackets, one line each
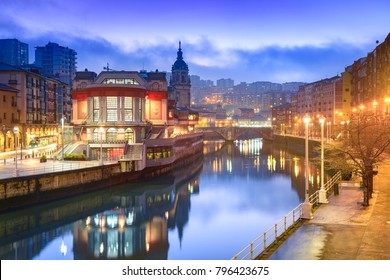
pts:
[234, 132]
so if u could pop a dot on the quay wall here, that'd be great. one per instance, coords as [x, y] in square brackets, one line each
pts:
[296, 144]
[30, 190]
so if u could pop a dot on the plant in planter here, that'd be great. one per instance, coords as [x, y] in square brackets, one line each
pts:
[43, 158]
[80, 157]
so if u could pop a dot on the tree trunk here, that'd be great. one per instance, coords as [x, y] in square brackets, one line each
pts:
[369, 174]
[370, 178]
[365, 190]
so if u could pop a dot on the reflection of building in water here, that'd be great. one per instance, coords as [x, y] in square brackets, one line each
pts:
[125, 222]
[257, 159]
[138, 229]
[30, 247]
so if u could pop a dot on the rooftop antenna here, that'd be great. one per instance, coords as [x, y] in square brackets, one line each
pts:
[108, 68]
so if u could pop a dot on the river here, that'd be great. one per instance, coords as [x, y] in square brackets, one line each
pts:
[209, 209]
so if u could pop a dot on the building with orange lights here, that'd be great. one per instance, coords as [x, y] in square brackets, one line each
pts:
[370, 79]
[117, 109]
[37, 110]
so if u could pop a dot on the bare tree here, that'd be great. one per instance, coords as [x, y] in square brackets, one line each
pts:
[363, 140]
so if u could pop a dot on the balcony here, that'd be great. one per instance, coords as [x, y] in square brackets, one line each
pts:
[107, 142]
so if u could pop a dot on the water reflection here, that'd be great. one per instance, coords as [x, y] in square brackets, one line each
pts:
[209, 209]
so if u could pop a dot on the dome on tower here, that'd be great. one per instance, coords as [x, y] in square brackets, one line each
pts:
[179, 63]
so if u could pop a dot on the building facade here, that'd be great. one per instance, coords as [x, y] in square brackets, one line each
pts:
[119, 109]
[8, 115]
[13, 52]
[282, 119]
[180, 82]
[41, 103]
[370, 80]
[56, 61]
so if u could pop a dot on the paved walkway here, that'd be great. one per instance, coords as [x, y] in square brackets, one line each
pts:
[343, 229]
[32, 166]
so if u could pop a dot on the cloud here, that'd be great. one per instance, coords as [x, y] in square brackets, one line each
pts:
[206, 56]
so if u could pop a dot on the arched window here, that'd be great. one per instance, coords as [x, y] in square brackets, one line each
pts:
[96, 135]
[129, 135]
[112, 135]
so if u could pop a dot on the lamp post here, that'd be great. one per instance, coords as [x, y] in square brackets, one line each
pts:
[63, 140]
[387, 101]
[306, 206]
[4, 141]
[16, 130]
[101, 145]
[374, 104]
[327, 131]
[322, 193]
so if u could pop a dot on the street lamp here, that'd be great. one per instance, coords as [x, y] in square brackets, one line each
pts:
[322, 192]
[374, 104]
[4, 141]
[327, 131]
[101, 130]
[63, 141]
[387, 101]
[306, 207]
[16, 130]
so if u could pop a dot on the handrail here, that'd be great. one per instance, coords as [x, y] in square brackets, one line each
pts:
[57, 166]
[260, 244]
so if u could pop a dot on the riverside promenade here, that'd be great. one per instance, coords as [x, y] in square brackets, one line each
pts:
[343, 229]
[32, 166]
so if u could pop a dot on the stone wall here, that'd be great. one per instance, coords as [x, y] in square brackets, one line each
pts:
[30, 189]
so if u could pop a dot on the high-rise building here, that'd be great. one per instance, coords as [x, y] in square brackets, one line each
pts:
[13, 52]
[180, 82]
[56, 61]
[225, 83]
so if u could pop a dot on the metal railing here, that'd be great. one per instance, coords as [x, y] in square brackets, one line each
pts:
[49, 167]
[261, 243]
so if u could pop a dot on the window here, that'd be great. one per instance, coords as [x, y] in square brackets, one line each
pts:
[96, 135]
[96, 109]
[129, 135]
[128, 109]
[112, 109]
[111, 135]
[131, 81]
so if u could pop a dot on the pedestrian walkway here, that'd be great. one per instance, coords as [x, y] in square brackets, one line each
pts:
[33, 166]
[343, 229]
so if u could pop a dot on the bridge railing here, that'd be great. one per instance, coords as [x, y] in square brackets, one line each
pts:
[261, 243]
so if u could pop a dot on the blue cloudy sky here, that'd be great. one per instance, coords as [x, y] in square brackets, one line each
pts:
[246, 40]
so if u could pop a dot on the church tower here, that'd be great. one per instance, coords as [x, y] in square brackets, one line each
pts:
[180, 81]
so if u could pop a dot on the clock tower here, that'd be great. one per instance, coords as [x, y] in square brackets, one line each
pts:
[180, 82]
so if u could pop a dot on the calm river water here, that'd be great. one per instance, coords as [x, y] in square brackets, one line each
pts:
[209, 209]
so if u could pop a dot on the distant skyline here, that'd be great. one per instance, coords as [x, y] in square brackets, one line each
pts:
[247, 41]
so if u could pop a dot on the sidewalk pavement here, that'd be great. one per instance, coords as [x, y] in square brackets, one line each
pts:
[33, 166]
[343, 229]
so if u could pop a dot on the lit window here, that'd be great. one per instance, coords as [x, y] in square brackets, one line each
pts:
[131, 81]
[112, 109]
[128, 109]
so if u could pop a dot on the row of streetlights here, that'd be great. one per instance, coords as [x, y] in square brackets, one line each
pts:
[307, 206]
